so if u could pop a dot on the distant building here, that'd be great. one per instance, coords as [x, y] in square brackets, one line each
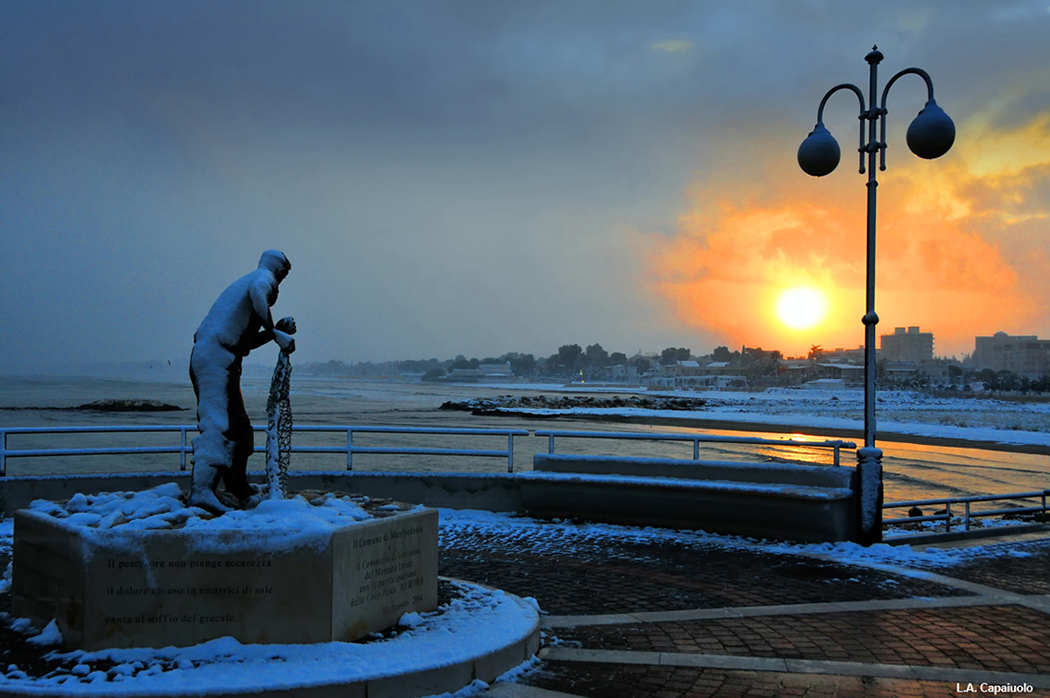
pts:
[624, 373]
[690, 375]
[484, 372]
[832, 370]
[900, 371]
[1025, 355]
[937, 370]
[826, 384]
[796, 371]
[906, 345]
[844, 356]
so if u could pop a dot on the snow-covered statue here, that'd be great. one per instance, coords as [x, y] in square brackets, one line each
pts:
[238, 322]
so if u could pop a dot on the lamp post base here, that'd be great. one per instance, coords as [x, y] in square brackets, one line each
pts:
[869, 495]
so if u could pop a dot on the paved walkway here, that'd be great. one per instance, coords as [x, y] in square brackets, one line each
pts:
[643, 614]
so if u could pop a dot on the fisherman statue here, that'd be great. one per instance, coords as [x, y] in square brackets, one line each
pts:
[238, 322]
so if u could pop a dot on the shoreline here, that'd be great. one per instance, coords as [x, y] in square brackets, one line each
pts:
[751, 427]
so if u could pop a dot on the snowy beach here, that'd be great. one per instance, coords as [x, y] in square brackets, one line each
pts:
[904, 416]
[934, 447]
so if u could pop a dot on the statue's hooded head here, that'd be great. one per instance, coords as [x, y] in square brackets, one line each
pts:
[276, 262]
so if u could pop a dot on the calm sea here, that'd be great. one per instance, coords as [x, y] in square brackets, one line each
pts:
[912, 471]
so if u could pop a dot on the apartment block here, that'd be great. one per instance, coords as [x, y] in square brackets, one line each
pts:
[908, 344]
[1024, 355]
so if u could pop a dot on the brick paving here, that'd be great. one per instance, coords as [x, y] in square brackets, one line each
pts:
[639, 681]
[574, 571]
[991, 638]
[1023, 568]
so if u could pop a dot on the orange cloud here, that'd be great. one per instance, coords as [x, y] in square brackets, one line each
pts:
[962, 246]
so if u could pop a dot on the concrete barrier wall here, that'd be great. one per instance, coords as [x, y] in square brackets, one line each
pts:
[732, 471]
[490, 492]
[784, 512]
[495, 492]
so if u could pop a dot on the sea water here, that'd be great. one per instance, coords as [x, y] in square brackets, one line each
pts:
[912, 471]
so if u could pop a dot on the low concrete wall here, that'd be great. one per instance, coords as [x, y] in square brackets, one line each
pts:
[785, 512]
[732, 471]
[768, 500]
[491, 492]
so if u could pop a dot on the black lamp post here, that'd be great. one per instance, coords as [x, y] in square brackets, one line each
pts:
[930, 135]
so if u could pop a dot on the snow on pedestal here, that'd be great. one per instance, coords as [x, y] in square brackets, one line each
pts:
[143, 570]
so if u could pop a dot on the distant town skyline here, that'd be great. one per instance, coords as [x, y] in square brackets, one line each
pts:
[470, 177]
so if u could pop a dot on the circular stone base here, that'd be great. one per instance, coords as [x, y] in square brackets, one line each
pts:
[480, 634]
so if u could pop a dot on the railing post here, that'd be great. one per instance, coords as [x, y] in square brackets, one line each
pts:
[948, 521]
[510, 453]
[182, 448]
[550, 444]
[836, 449]
[966, 519]
[349, 449]
[696, 448]
[3, 455]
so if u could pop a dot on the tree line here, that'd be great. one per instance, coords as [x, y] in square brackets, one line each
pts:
[571, 360]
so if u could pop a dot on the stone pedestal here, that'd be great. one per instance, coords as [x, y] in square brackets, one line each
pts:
[123, 587]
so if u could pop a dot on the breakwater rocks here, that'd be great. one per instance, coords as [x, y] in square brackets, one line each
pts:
[511, 403]
[129, 406]
[111, 405]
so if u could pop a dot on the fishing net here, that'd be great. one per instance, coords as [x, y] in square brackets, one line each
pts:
[279, 428]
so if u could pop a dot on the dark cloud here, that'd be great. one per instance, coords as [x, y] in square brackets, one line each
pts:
[447, 177]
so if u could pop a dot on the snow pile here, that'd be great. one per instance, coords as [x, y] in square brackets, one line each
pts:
[50, 636]
[273, 524]
[158, 508]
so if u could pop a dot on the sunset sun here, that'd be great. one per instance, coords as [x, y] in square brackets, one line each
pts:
[801, 308]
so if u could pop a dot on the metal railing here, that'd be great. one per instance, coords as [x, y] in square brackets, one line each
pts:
[183, 448]
[969, 514]
[350, 449]
[696, 439]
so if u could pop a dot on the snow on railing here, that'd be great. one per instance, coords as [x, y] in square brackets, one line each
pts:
[836, 445]
[185, 448]
[968, 515]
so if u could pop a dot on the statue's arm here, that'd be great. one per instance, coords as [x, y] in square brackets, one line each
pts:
[263, 294]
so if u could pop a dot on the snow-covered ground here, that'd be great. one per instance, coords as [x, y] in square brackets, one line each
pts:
[440, 637]
[463, 629]
[845, 552]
